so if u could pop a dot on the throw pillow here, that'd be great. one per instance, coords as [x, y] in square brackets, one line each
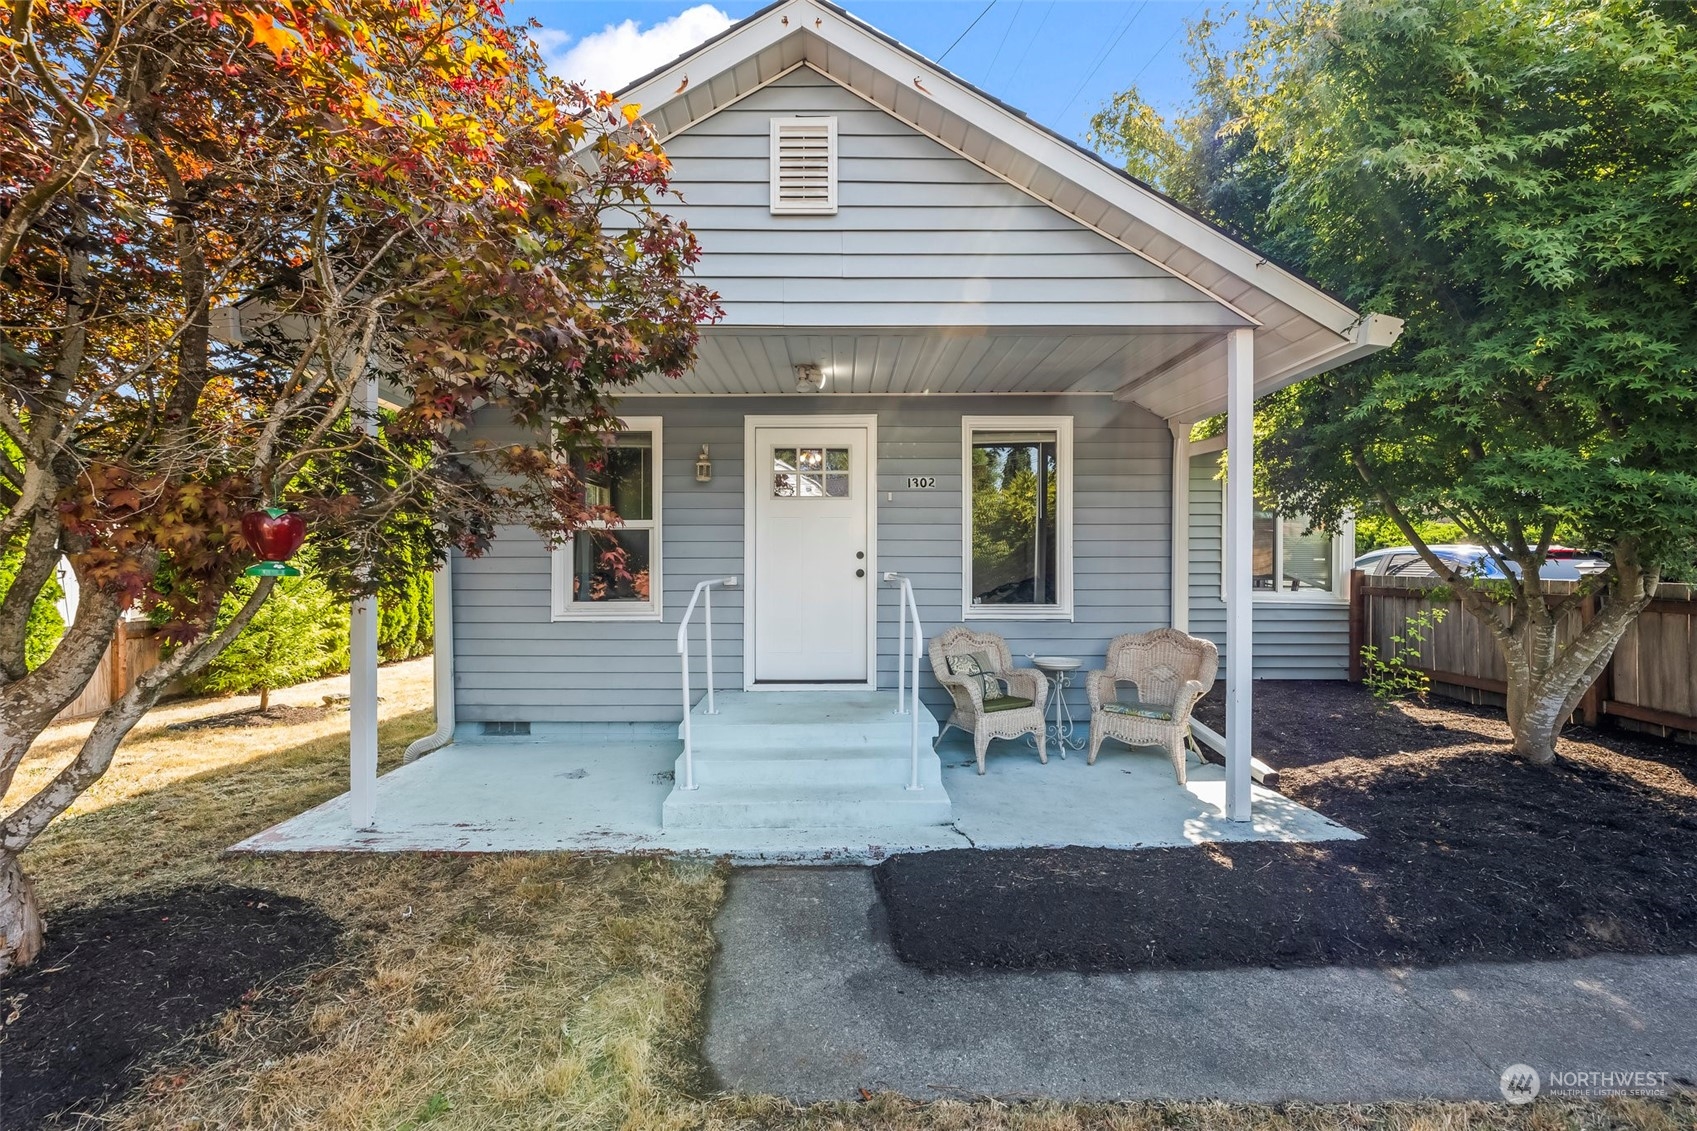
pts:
[978, 665]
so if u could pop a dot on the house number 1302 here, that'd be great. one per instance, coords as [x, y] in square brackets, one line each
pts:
[921, 482]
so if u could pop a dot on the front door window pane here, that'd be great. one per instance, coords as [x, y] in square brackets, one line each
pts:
[810, 473]
[1014, 529]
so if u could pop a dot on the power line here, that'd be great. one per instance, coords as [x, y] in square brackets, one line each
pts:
[1102, 58]
[991, 69]
[969, 27]
[1152, 58]
[1032, 38]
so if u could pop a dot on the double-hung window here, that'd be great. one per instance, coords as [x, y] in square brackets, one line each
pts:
[611, 570]
[1290, 561]
[1017, 520]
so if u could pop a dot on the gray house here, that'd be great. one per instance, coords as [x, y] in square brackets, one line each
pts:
[960, 359]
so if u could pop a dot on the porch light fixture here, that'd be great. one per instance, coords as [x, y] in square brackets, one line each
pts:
[703, 467]
[809, 379]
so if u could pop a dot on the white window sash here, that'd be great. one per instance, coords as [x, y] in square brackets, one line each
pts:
[1061, 428]
[653, 609]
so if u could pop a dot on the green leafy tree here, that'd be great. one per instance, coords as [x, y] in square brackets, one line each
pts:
[298, 634]
[1515, 178]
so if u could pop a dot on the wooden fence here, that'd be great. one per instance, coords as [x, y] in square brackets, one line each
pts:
[134, 649]
[1650, 684]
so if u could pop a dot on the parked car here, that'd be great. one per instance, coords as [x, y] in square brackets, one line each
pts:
[1562, 564]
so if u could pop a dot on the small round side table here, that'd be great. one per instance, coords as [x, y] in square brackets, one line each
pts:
[1058, 670]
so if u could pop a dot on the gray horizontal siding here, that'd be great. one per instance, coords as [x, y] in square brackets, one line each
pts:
[1291, 641]
[921, 237]
[513, 663]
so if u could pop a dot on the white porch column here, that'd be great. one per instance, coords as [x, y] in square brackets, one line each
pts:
[362, 667]
[1181, 524]
[1240, 553]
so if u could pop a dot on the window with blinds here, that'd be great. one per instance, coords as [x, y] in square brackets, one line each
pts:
[804, 165]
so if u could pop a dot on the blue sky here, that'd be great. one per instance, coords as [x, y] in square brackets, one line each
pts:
[1057, 60]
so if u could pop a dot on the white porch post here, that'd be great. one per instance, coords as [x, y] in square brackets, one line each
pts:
[362, 680]
[1181, 525]
[1240, 553]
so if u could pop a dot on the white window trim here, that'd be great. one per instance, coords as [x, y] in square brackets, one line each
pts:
[1061, 426]
[1343, 557]
[828, 207]
[565, 609]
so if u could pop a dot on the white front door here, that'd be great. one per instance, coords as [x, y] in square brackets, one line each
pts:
[811, 489]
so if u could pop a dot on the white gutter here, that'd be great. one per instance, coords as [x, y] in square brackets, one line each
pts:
[442, 605]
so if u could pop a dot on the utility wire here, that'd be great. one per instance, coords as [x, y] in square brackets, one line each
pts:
[969, 27]
[991, 69]
[1152, 58]
[1032, 38]
[1102, 58]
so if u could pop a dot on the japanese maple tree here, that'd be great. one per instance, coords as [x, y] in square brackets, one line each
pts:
[377, 190]
[1517, 179]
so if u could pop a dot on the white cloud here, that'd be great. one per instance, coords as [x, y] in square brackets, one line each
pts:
[618, 53]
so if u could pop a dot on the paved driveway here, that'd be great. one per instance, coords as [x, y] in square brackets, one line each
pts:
[808, 1001]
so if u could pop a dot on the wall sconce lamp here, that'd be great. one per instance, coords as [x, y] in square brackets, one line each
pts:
[703, 467]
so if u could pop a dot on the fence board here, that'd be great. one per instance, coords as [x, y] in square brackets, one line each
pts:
[1651, 683]
[134, 649]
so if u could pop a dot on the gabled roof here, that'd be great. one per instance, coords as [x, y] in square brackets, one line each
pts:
[1302, 329]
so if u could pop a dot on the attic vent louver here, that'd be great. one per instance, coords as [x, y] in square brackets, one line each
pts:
[804, 165]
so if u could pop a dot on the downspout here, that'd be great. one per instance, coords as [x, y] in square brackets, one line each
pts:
[442, 606]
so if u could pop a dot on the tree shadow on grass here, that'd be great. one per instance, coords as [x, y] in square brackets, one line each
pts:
[1468, 856]
[124, 980]
[148, 943]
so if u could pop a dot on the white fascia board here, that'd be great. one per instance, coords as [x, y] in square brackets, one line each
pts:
[1372, 333]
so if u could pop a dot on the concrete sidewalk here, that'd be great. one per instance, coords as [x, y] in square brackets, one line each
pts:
[809, 1002]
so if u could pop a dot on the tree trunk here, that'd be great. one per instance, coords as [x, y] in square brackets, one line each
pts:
[1546, 680]
[20, 918]
[264, 700]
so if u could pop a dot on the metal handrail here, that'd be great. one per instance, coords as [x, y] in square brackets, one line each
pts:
[909, 609]
[705, 587]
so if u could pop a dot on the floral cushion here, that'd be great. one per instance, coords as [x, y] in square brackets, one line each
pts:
[981, 666]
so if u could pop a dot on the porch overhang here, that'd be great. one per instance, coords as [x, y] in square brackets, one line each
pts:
[1176, 372]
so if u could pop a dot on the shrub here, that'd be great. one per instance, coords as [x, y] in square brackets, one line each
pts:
[1394, 677]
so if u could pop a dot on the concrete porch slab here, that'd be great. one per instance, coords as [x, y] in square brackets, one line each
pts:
[597, 797]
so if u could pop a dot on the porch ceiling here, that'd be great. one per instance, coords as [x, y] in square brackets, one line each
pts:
[948, 361]
[1174, 372]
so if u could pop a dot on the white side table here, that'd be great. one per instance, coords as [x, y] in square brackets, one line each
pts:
[1058, 670]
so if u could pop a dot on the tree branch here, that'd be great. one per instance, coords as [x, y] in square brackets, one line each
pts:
[26, 822]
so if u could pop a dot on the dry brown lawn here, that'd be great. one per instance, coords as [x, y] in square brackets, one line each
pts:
[501, 992]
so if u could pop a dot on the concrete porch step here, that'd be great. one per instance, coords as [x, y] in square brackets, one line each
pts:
[833, 765]
[805, 807]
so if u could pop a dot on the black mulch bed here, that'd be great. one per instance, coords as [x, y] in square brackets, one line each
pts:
[121, 983]
[1469, 856]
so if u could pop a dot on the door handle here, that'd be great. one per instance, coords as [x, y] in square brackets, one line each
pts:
[860, 573]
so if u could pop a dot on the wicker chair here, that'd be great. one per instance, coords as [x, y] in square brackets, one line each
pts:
[1170, 672]
[1026, 690]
